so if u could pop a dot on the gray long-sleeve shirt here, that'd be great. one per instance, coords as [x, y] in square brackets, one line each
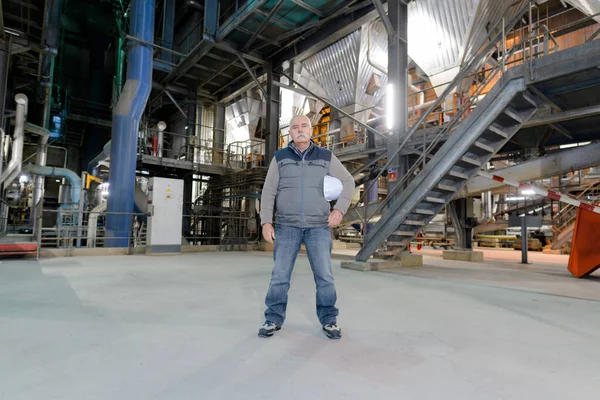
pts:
[271, 186]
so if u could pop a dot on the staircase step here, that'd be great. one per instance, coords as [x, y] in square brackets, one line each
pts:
[458, 175]
[514, 114]
[470, 161]
[396, 244]
[435, 200]
[446, 188]
[383, 254]
[423, 211]
[403, 233]
[484, 147]
[530, 99]
[413, 222]
[498, 131]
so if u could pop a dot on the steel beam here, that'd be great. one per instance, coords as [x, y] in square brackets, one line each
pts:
[192, 58]
[254, 78]
[277, 21]
[238, 18]
[384, 18]
[563, 116]
[213, 76]
[336, 28]
[168, 29]
[176, 104]
[273, 107]
[397, 90]
[235, 49]
[261, 37]
[264, 24]
[211, 17]
[309, 8]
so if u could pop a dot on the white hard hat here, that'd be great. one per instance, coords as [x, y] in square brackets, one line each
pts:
[332, 188]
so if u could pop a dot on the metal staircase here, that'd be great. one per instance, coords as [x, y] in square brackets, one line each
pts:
[466, 151]
[471, 140]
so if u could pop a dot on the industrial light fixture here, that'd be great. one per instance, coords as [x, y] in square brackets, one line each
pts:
[528, 192]
[389, 102]
[515, 198]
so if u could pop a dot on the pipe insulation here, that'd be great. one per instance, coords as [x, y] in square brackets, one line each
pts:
[13, 169]
[57, 172]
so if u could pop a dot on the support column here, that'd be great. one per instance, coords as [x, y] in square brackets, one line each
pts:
[219, 134]
[396, 92]
[273, 104]
[168, 29]
[461, 213]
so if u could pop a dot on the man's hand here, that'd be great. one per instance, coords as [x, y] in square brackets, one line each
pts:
[268, 232]
[335, 218]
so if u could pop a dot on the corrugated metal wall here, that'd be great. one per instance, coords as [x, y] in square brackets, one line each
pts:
[438, 31]
[335, 68]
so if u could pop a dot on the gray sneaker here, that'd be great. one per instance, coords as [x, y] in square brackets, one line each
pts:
[332, 331]
[268, 329]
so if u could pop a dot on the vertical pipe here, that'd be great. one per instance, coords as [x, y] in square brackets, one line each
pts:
[161, 137]
[38, 191]
[524, 241]
[126, 119]
[14, 165]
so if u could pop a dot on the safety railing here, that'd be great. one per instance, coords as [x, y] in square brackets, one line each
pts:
[227, 228]
[567, 215]
[67, 232]
[245, 154]
[181, 147]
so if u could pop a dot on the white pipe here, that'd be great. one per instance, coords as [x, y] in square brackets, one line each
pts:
[161, 137]
[559, 163]
[13, 168]
[93, 223]
[42, 156]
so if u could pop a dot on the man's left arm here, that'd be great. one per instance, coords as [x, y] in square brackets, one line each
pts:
[337, 170]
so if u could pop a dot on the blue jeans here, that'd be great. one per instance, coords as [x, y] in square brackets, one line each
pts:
[318, 247]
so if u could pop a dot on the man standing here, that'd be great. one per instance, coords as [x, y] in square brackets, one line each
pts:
[294, 186]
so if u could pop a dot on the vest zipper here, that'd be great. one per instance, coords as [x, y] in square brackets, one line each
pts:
[302, 184]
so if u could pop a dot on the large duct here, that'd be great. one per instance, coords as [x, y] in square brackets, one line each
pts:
[13, 169]
[243, 116]
[126, 119]
[58, 172]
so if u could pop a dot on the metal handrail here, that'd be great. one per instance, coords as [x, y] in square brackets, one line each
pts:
[570, 207]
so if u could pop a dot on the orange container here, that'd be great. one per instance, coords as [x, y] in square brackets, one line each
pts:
[585, 252]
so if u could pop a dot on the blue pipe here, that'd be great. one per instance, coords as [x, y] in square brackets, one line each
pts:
[126, 120]
[57, 172]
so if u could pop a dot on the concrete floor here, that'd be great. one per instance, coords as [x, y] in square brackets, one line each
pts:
[184, 327]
